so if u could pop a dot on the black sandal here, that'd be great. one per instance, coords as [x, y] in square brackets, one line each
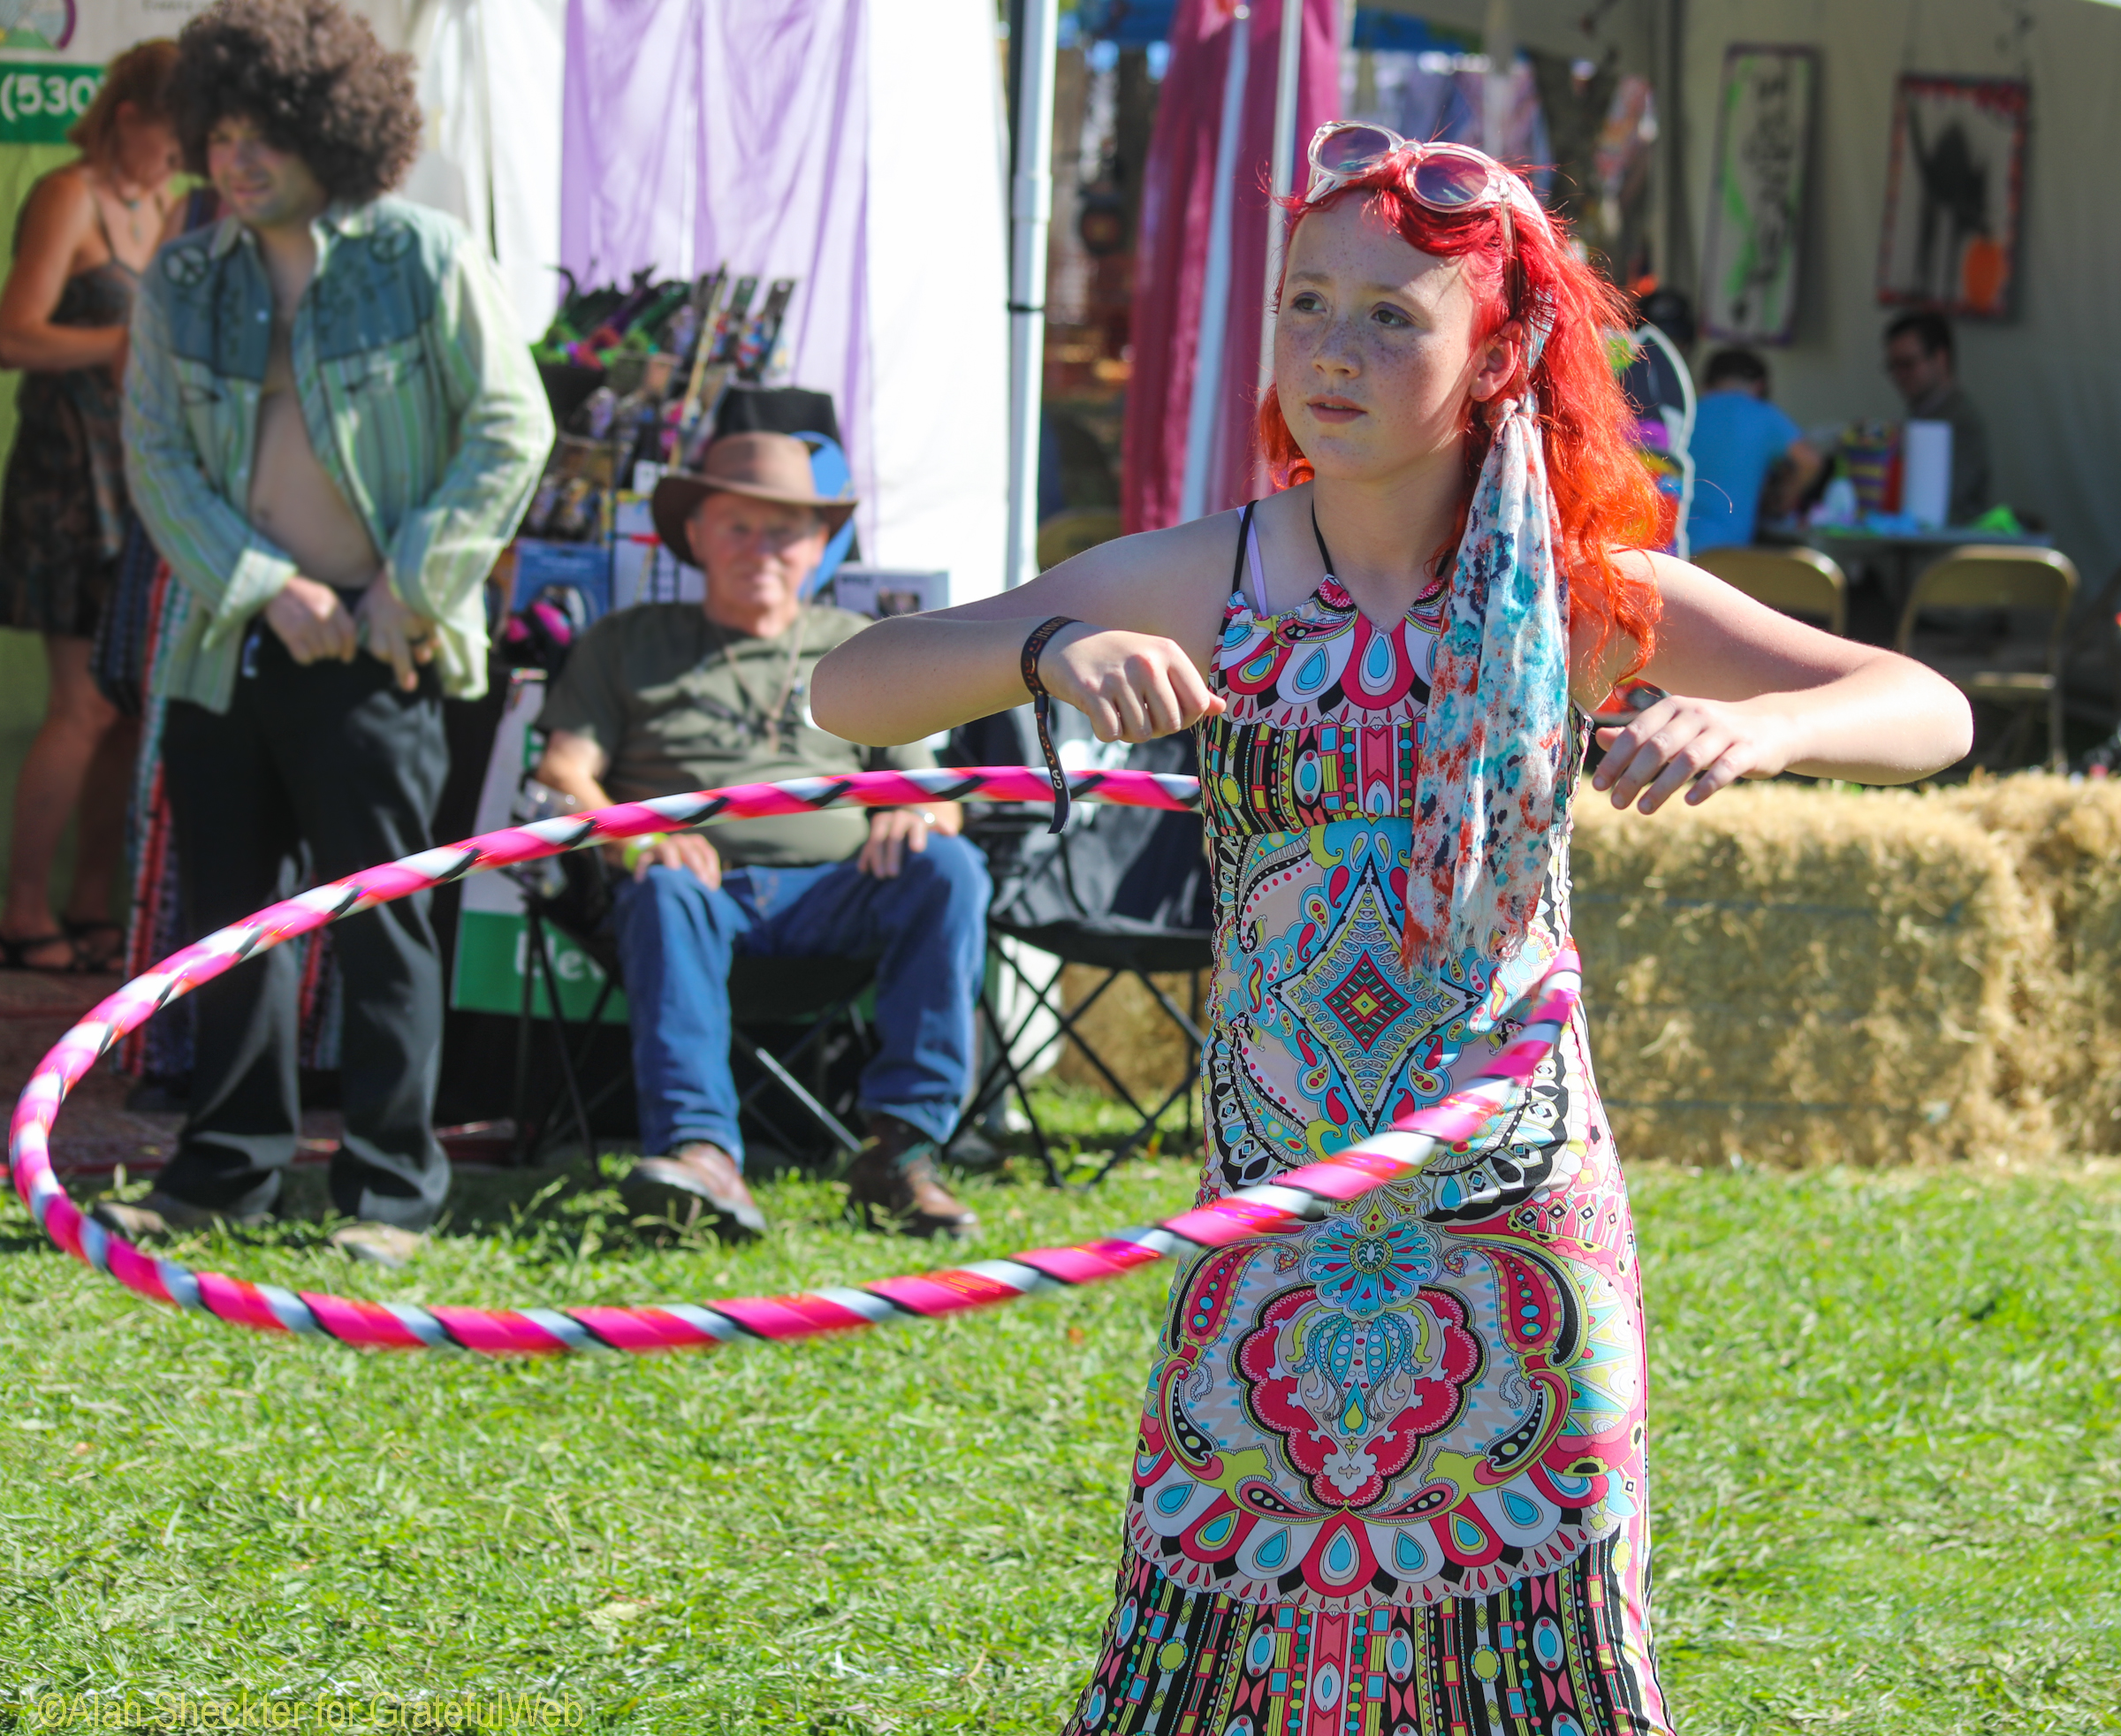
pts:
[79, 929]
[14, 955]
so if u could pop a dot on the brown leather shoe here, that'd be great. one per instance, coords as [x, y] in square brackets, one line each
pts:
[892, 1184]
[697, 1184]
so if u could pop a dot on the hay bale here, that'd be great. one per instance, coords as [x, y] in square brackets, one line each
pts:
[1135, 1036]
[2064, 840]
[1804, 976]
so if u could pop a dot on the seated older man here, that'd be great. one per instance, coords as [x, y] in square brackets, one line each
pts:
[667, 698]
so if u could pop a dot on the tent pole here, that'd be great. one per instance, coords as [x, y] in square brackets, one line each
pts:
[1215, 282]
[1677, 266]
[1499, 42]
[1030, 212]
[1283, 171]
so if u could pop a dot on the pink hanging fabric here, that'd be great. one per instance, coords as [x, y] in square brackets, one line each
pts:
[1171, 266]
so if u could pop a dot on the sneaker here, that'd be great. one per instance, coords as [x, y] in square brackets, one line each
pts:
[892, 1184]
[384, 1244]
[161, 1215]
[697, 1185]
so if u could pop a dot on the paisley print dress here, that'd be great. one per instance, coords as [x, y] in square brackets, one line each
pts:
[1390, 1477]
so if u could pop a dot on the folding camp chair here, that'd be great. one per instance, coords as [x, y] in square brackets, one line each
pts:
[2023, 676]
[1126, 892]
[809, 1007]
[1797, 581]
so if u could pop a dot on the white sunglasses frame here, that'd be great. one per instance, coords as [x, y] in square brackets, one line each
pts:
[1505, 187]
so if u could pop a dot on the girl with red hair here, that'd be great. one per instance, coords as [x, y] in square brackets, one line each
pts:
[1391, 1473]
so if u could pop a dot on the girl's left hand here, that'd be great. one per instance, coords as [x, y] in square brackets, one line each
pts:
[1702, 744]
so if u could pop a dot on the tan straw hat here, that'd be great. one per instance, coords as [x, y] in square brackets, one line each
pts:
[765, 466]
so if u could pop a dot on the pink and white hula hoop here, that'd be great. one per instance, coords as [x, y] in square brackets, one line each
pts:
[1301, 1196]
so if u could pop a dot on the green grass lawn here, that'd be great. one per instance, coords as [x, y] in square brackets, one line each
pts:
[1882, 1433]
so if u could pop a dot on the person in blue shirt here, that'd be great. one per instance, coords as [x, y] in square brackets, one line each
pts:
[1740, 439]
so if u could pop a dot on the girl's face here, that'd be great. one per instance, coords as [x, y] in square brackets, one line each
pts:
[1375, 361]
[147, 154]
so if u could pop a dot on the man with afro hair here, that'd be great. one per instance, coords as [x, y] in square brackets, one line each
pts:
[332, 430]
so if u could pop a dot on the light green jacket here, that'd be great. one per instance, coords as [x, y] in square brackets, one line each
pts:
[421, 402]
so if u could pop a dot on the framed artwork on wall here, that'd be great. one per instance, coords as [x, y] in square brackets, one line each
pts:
[1764, 110]
[1954, 196]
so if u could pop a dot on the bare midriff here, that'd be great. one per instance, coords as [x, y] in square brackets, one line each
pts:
[292, 498]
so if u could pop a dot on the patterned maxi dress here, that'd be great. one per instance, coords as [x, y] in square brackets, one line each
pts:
[1390, 1479]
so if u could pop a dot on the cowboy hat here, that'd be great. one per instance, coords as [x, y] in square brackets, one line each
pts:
[764, 466]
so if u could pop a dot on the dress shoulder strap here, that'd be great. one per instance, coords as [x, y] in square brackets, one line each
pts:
[1248, 552]
[102, 228]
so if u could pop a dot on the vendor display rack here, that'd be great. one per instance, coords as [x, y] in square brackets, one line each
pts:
[634, 376]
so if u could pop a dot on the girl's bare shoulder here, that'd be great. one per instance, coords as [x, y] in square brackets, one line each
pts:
[1152, 582]
[67, 192]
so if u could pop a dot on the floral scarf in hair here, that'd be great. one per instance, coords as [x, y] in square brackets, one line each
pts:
[1492, 787]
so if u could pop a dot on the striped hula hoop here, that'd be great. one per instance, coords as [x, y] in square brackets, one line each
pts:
[1301, 1196]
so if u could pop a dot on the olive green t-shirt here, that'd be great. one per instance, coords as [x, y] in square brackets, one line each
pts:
[678, 704]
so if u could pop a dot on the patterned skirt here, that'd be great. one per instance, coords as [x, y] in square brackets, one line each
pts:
[1546, 1654]
[1390, 1479]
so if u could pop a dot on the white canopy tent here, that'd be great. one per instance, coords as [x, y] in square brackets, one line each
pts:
[934, 495]
[490, 82]
[923, 408]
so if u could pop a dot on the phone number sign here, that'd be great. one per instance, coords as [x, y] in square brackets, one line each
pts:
[38, 101]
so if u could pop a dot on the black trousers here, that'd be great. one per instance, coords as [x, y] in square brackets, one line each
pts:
[332, 760]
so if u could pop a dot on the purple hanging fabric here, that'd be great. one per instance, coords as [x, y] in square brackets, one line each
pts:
[748, 126]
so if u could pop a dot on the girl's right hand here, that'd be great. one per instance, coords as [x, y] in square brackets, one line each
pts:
[1133, 687]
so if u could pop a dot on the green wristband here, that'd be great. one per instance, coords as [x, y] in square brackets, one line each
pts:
[635, 848]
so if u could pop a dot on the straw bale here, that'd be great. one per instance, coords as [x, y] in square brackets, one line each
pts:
[1134, 1035]
[2064, 840]
[1798, 976]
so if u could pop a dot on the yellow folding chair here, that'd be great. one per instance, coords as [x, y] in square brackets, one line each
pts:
[1989, 578]
[1796, 580]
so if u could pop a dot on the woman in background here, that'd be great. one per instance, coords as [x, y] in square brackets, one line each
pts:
[85, 234]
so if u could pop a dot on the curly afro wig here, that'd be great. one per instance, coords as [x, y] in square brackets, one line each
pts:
[315, 80]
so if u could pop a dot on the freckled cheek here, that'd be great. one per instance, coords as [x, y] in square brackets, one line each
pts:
[1295, 354]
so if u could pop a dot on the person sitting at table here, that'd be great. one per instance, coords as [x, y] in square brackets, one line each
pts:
[667, 698]
[1745, 449]
[1920, 358]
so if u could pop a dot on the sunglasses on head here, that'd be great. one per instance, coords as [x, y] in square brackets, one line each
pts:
[1447, 179]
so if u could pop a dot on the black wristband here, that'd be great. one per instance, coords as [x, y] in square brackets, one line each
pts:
[1034, 648]
[1042, 703]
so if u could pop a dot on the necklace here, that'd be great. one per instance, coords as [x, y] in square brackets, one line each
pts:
[132, 207]
[1326, 555]
[760, 725]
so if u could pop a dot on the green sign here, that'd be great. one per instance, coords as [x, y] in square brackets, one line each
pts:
[492, 948]
[38, 101]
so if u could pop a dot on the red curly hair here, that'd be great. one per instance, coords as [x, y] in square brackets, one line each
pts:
[1603, 496]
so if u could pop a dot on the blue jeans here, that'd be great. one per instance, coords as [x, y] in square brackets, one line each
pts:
[926, 929]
